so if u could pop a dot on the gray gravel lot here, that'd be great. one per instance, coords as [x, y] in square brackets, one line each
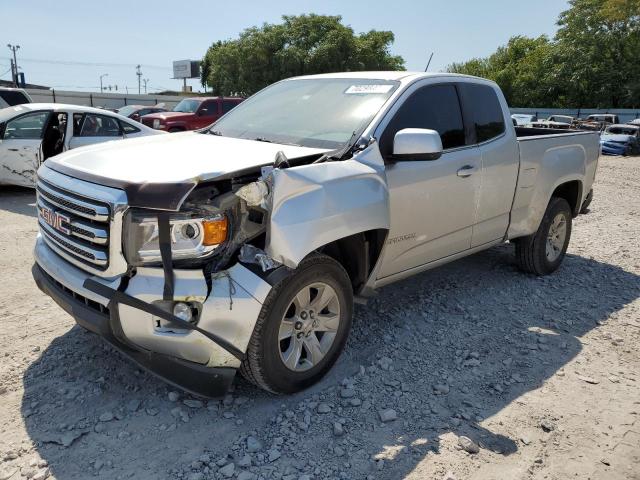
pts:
[469, 371]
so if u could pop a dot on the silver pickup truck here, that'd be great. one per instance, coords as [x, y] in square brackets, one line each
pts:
[244, 245]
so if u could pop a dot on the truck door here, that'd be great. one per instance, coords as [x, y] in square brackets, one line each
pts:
[432, 202]
[20, 149]
[207, 114]
[486, 125]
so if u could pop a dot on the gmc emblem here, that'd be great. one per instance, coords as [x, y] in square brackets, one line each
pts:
[55, 219]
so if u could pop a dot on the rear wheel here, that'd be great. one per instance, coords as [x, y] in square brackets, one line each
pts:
[543, 252]
[302, 328]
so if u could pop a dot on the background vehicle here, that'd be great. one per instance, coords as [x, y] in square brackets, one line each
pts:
[621, 140]
[249, 251]
[13, 96]
[603, 118]
[555, 121]
[191, 114]
[523, 119]
[635, 121]
[134, 112]
[31, 133]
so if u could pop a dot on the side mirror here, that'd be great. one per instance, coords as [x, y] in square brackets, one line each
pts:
[202, 112]
[417, 144]
[135, 116]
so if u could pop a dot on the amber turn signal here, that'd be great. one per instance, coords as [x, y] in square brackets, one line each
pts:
[215, 231]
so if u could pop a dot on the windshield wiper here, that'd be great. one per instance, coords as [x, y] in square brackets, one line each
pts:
[266, 140]
[216, 133]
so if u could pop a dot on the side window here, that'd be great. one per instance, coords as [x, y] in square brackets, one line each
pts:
[100, 126]
[212, 108]
[434, 107]
[28, 126]
[128, 129]
[228, 105]
[482, 111]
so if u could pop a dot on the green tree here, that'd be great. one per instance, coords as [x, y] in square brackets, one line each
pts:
[593, 61]
[301, 45]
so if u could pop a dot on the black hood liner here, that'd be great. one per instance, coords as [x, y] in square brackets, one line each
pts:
[157, 196]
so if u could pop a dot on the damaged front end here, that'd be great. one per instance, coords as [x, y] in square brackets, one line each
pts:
[200, 268]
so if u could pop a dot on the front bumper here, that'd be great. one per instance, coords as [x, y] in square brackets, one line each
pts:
[192, 377]
[187, 359]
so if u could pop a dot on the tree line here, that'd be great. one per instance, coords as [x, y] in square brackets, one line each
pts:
[593, 60]
[300, 45]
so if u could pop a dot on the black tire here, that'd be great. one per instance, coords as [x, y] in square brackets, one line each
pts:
[531, 251]
[263, 364]
[176, 129]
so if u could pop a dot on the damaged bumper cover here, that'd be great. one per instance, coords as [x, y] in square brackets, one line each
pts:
[201, 358]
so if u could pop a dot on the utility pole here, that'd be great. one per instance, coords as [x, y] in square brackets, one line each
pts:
[101, 77]
[14, 70]
[139, 74]
[145, 80]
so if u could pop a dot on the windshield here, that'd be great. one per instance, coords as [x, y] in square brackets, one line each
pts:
[128, 110]
[317, 113]
[621, 131]
[187, 106]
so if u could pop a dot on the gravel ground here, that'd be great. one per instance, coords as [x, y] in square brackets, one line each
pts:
[470, 371]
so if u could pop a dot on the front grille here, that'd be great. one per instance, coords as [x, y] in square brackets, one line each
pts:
[74, 226]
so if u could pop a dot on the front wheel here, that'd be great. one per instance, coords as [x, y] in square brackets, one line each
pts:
[302, 328]
[543, 252]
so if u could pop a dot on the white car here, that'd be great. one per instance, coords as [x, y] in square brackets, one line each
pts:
[523, 119]
[31, 133]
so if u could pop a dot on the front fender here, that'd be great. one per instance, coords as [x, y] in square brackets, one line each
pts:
[314, 205]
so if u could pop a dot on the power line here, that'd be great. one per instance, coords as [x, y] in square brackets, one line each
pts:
[87, 64]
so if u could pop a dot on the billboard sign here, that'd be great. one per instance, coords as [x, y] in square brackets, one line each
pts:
[186, 69]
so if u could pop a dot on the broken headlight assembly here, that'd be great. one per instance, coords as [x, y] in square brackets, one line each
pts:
[193, 236]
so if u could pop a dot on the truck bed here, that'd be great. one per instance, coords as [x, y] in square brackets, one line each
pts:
[550, 157]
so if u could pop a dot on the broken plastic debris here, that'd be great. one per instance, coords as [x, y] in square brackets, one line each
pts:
[251, 254]
[253, 193]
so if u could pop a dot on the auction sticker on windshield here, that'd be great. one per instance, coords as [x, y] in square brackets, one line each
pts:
[359, 89]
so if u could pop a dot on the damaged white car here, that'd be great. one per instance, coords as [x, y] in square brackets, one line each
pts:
[33, 132]
[244, 246]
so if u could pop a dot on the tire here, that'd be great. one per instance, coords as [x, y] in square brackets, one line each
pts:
[175, 130]
[283, 311]
[532, 252]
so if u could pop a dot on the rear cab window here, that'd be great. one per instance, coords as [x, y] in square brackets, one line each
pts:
[483, 113]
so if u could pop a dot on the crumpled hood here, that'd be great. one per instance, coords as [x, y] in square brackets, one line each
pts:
[172, 158]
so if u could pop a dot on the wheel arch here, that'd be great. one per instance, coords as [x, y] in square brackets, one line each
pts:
[571, 191]
[358, 254]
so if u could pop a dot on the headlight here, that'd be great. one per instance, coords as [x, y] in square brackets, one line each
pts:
[156, 123]
[192, 236]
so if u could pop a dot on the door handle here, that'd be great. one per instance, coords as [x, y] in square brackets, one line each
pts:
[466, 171]
[13, 149]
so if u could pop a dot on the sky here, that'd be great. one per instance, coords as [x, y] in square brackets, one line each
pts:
[69, 44]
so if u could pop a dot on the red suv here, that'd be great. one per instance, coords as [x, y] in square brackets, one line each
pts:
[191, 114]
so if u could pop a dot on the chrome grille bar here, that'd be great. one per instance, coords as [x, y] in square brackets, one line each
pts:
[76, 227]
[73, 204]
[84, 252]
[79, 228]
